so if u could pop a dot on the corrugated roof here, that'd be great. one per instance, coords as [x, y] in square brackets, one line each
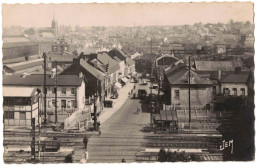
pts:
[166, 115]
[16, 41]
[18, 91]
[24, 65]
[37, 80]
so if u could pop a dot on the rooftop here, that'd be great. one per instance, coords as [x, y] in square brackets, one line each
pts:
[16, 41]
[217, 65]
[9, 91]
[37, 80]
[236, 78]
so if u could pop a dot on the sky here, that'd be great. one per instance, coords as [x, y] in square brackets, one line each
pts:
[41, 15]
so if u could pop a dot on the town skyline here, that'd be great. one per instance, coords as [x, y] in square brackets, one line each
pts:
[113, 15]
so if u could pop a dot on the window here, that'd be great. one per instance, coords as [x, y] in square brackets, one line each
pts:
[243, 91]
[73, 104]
[53, 103]
[49, 104]
[63, 103]
[53, 90]
[226, 91]
[63, 91]
[8, 115]
[22, 116]
[73, 91]
[177, 94]
[214, 89]
[235, 91]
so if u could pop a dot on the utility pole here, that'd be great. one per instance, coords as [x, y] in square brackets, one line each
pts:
[189, 97]
[44, 89]
[56, 90]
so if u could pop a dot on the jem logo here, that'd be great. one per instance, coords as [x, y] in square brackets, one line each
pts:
[226, 144]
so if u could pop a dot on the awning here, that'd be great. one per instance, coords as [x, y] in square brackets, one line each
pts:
[118, 85]
[124, 79]
[166, 115]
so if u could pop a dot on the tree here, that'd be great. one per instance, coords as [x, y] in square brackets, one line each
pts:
[29, 31]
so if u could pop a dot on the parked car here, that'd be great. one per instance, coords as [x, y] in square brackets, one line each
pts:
[142, 93]
[144, 82]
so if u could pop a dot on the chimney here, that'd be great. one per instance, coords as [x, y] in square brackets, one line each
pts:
[80, 74]
[219, 74]
[237, 70]
[76, 61]
[24, 74]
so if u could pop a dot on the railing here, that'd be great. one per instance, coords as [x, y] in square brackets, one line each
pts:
[78, 116]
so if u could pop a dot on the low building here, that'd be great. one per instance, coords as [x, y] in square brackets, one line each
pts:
[20, 105]
[95, 78]
[70, 90]
[23, 67]
[177, 88]
[120, 57]
[217, 65]
[18, 49]
[235, 84]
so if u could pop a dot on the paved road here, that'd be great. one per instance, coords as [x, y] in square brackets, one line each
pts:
[121, 136]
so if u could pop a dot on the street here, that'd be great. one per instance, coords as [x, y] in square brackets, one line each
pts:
[121, 135]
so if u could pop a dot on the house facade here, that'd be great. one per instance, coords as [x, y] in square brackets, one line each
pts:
[70, 90]
[176, 88]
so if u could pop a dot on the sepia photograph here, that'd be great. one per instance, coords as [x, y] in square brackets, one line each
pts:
[128, 82]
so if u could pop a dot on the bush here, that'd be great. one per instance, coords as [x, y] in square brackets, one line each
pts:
[168, 156]
[68, 158]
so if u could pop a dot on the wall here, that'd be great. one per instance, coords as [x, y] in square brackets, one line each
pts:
[199, 96]
[230, 86]
[15, 52]
[122, 67]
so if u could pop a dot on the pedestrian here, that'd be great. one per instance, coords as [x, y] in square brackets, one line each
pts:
[137, 111]
[99, 132]
[85, 142]
[123, 160]
[134, 87]
[98, 125]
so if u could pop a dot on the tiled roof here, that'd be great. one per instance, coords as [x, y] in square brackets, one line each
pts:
[117, 53]
[217, 65]
[37, 80]
[104, 58]
[98, 74]
[236, 78]
[179, 75]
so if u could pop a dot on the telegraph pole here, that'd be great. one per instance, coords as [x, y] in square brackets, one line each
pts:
[189, 97]
[56, 83]
[44, 89]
